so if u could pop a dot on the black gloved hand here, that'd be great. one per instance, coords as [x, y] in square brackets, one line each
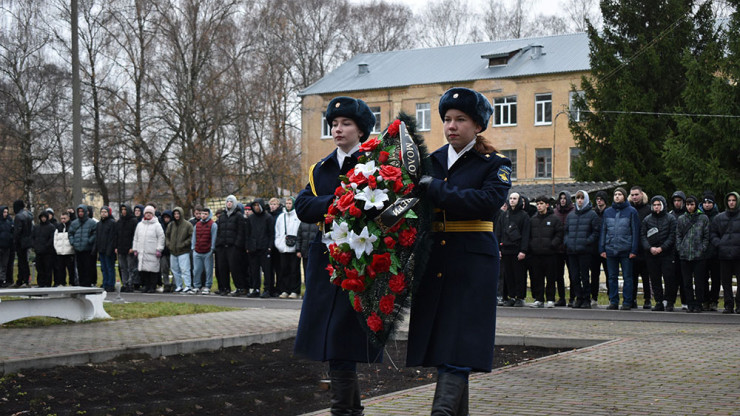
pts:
[423, 185]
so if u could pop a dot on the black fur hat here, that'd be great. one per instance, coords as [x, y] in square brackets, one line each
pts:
[469, 102]
[354, 109]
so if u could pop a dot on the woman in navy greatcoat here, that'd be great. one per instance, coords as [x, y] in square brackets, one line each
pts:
[453, 311]
[329, 328]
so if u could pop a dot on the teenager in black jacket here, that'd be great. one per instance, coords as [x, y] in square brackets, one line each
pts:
[512, 233]
[658, 239]
[43, 245]
[546, 236]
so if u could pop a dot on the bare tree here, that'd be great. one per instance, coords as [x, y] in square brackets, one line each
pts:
[445, 23]
[378, 27]
[581, 12]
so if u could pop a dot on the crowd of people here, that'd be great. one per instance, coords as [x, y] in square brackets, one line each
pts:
[160, 251]
[687, 250]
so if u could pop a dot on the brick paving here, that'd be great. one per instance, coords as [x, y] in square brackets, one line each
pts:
[633, 367]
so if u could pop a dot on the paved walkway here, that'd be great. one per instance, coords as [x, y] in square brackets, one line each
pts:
[631, 366]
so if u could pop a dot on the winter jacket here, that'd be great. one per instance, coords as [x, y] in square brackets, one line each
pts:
[562, 212]
[620, 230]
[643, 210]
[82, 231]
[582, 229]
[725, 232]
[148, 241]
[179, 235]
[658, 230]
[711, 214]
[231, 228]
[6, 230]
[261, 235]
[306, 233]
[204, 235]
[105, 239]
[43, 236]
[22, 227]
[674, 212]
[513, 229]
[286, 224]
[125, 229]
[545, 233]
[692, 236]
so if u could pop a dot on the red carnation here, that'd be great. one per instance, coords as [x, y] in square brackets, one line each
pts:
[370, 145]
[397, 283]
[389, 242]
[333, 210]
[358, 304]
[357, 178]
[407, 237]
[383, 157]
[370, 272]
[355, 212]
[393, 128]
[381, 262]
[374, 322]
[328, 219]
[386, 304]
[339, 191]
[355, 285]
[351, 273]
[344, 257]
[390, 173]
[397, 185]
[346, 201]
[372, 182]
[409, 188]
[330, 269]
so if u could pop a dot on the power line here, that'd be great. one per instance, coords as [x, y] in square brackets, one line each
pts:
[654, 113]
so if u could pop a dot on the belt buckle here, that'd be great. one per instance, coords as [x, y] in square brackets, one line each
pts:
[438, 226]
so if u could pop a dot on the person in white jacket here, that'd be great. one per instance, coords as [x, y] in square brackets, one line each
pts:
[148, 245]
[286, 237]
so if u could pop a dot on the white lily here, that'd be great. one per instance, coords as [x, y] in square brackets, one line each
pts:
[362, 243]
[366, 169]
[374, 198]
[340, 233]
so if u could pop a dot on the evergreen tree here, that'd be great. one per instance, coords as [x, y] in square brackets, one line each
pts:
[635, 67]
[704, 154]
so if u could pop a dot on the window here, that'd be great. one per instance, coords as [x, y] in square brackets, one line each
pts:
[575, 153]
[376, 113]
[543, 163]
[511, 154]
[423, 116]
[542, 109]
[504, 111]
[325, 129]
[575, 110]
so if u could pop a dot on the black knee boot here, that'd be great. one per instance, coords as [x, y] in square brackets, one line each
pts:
[448, 396]
[345, 393]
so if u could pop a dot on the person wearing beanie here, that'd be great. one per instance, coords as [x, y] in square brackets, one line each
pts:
[52, 220]
[563, 207]
[230, 248]
[711, 292]
[512, 233]
[545, 239]
[43, 246]
[260, 240]
[82, 234]
[469, 182]
[618, 244]
[725, 235]
[678, 208]
[127, 262]
[692, 243]
[341, 340]
[658, 238]
[286, 238]
[203, 244]
[22, 241]
[148, 246]
[581, 241]
[105, 245]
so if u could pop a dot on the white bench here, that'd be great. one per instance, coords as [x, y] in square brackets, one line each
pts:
[75, 303]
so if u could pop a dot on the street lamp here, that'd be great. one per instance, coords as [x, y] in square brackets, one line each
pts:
[552, 162]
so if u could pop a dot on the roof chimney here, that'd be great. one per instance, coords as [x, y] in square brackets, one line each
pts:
[362, 68]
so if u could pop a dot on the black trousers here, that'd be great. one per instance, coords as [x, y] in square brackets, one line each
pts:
[259, 264]
[711, 292]
[290, 275]
[63, 266]
[24, 270]
[694, 274]
[543, 267]
[597, 263]
[515, 276]
[271, 283]
[660, 270]
[229, 260]
[639, 268]
[580, 265]
[727, 269]
[562, 263]
[88, 272]
[149, 279]
[44, 269]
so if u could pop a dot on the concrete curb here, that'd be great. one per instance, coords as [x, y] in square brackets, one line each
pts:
[151, 350]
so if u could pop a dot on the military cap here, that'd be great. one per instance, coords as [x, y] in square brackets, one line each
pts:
[469, 102]
[354, 109]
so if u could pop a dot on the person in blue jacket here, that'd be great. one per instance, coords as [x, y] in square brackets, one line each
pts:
[618, 244]
[329, 328]
[453, 311]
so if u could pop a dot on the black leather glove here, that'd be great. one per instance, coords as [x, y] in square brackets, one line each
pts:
[422, 186]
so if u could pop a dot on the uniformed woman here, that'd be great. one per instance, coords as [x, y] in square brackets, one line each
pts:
[329, 328]
[453, 312]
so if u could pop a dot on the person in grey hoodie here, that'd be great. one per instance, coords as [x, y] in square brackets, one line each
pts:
[658, 236]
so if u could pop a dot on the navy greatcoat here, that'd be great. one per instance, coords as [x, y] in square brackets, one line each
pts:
[453, 312]
[329, 328]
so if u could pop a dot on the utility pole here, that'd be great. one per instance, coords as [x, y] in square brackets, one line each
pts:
[76, 123]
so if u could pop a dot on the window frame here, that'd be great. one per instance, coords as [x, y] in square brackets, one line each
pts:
[579, 152]
[325, 129]
[541, 107]
[507, 105]
[509, 153]
[574, 112]
[547, 161]
[424, 117]
[377, 127]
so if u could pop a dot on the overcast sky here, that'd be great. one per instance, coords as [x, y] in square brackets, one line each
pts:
[547, 7]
